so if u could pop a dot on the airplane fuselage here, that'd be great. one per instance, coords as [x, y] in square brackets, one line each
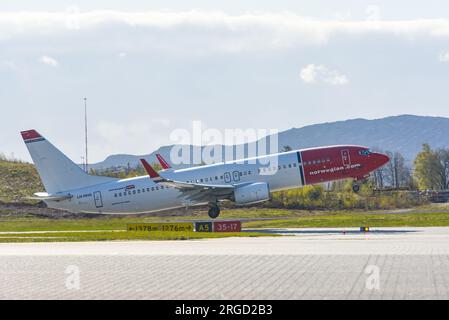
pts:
[281, 171]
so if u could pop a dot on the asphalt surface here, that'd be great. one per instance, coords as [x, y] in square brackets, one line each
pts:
[386, 263]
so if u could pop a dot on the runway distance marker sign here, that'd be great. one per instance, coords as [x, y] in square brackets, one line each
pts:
[170, 227]
[227, 226]
[203, 226]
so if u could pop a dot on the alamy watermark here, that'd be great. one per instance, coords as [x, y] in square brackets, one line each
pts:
[202, 145]
[372, 282]
[72, 281]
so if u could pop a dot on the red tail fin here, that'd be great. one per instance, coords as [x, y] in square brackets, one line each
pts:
[149, 169]
[162, 161]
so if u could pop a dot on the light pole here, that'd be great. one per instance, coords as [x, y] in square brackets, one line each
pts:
[84, 163]
[86, 168]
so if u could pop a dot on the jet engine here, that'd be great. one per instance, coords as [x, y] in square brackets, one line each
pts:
[252, 193]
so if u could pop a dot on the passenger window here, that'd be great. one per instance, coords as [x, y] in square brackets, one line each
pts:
[157, 188]
[115, 195]
[289, 165]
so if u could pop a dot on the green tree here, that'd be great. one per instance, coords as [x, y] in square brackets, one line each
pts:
[443, 158]
[428, 169]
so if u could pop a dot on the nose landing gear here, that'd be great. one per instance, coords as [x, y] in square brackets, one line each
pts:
[214, 211]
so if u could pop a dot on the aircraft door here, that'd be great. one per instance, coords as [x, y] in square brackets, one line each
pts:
[227, 177]
[345, 158]
[98, 199]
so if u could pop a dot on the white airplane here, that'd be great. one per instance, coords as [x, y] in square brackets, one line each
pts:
[244, 182]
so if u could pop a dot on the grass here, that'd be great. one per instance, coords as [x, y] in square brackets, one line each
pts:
[114, 229]
[18, 180]
[42, 226]
[358, 219]
[118, 236]
[279, 218]
[10, 222]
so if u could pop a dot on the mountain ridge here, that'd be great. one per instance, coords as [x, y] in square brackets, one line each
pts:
[402, 133]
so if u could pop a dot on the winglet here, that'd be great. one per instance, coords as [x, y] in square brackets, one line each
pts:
[151, 172]
[162, 161]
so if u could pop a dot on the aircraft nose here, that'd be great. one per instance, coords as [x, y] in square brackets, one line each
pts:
[381, 159]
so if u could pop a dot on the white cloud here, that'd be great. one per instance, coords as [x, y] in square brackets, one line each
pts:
[203, 31]
[313, 73]
[444, 57]
[373, 13]
[49, 61]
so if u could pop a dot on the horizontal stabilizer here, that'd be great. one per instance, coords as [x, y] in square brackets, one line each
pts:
[43, 196]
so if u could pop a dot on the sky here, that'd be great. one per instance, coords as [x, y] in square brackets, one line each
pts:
[148, 68]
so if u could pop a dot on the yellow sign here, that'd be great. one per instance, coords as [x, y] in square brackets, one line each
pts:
[173, 227]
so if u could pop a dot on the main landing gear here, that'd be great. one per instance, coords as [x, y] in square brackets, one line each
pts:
[214, 211]
[355, 187]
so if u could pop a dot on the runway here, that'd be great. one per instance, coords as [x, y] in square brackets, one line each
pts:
[387, 263]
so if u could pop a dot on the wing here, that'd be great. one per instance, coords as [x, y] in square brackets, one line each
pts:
[194, 191]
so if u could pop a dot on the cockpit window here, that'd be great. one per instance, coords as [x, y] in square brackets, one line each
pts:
[365, 152]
